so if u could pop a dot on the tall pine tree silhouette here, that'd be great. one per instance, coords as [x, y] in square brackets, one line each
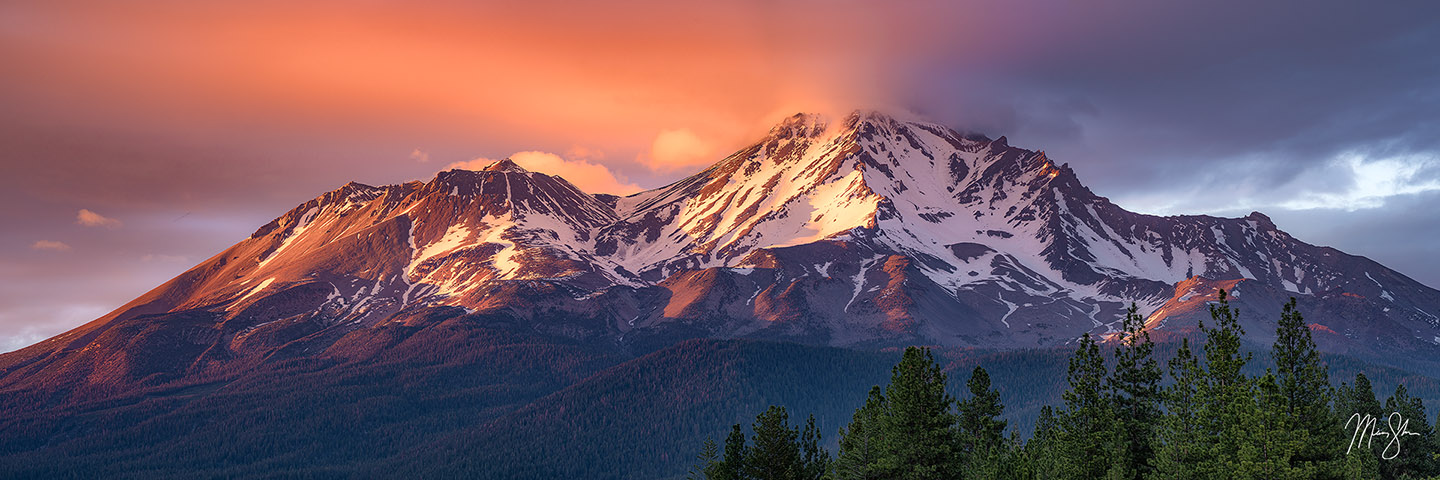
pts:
[918, 429]
[981, 432]
[1134, 389]
[1089, 434]
[860, 442]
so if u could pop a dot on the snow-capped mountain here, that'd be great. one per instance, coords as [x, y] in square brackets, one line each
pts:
[862, 231]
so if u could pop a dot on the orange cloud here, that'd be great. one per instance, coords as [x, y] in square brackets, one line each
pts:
[91, 219]
[603, 74]
[51, 245]
[673, 149]
[590, 177]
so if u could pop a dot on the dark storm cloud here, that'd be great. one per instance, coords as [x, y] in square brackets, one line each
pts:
[1213, 96]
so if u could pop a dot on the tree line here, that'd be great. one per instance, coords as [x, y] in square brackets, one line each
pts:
[1121, 419]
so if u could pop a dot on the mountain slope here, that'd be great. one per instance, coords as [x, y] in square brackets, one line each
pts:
[869, 231]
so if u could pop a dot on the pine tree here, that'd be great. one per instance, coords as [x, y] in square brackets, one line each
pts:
[1088, 433]
[815, 461]
[732, 467]
[776, 452]
[860, 442]
[705, 462]
[1134, 390]
[917, 431]
[1042, 452]
[1360, 464]
[1356, 400]
[1181, 443]
[979, 420]
[1226, 401]
[1304, 396]
[980, 432]
[1274, 442]
[1414, 454]
[1352, 404]
[1213, 428]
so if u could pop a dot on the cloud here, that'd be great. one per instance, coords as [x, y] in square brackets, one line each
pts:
[587, 154]
[678, 148]
[590, 177]
[26, 337]
[51, 245]
[92, 219]
[1373, 182]
[420, 156]
[1348, 182]
[25, 325]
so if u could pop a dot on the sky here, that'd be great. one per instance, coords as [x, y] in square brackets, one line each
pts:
[140, 138]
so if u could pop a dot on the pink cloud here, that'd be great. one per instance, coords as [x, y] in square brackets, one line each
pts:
[679, 148]
[51, 245]
[590, 177]
[92, 219]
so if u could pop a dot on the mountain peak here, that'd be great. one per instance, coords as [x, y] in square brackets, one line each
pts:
[505, 166]
[1261, 219]
[800, 125]
[872, 116]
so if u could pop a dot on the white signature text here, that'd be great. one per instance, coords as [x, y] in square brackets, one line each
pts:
[1365, 431]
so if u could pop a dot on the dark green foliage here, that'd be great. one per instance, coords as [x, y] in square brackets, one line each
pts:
[779, 451]
[1274, 442]
[981, 443]
[1414, 455]
[1134, 390]
[1298, 399]
[636, 419]
[911, 431]
[860, 442]
[1360, 465]
[917, 440]
[1041, 456]
[707, 462]
[1089, 434]
[815, 459]
[775, 454]
[732, 466]
[1352, 404]
[979, 423]
[1180, 437]
[1214, 427]
[1214, 419]
[1357, 399]
[1226, 399]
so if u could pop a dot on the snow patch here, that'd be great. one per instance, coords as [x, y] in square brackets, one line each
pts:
[256, 290]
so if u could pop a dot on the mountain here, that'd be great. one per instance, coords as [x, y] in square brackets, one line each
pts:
[461, 305]
[869, 231]
[884, 231]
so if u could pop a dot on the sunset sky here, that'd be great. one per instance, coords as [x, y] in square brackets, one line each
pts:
[139, 138]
